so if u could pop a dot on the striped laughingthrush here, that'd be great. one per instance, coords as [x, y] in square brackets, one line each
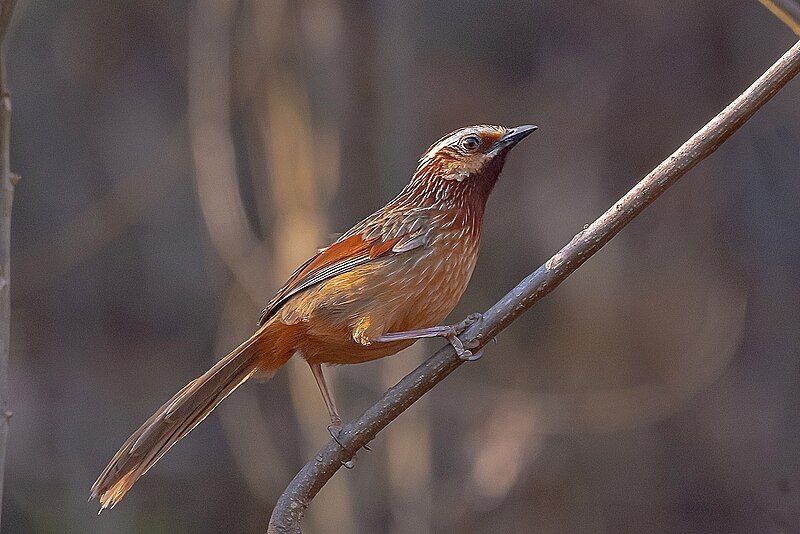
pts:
[385, 283]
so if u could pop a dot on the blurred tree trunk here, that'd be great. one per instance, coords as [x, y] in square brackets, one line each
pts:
[6, 199]
[294, 163]
[256, 453]
[288, 167]
[408, 441]
[300, 226]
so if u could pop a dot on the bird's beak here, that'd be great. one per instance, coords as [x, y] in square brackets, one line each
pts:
[512, 137]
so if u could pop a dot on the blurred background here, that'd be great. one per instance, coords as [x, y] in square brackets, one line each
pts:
[179, 159]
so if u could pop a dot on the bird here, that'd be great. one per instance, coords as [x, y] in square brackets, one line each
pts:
[387, 282]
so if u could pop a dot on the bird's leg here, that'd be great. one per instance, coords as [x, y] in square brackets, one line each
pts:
[471, 319]
[336, 420]
[449, 332]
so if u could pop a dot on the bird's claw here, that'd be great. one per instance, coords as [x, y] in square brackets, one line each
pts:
[462, 352]
[334, 429]
[471, 319]
[469, 356]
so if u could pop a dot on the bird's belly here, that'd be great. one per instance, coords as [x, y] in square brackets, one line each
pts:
[344, 350]
[344, 316]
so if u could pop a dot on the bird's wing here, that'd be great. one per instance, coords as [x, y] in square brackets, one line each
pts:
[367, 241]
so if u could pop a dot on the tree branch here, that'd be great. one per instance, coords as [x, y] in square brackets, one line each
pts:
[787, 12]
[7, 182]
[313, 476]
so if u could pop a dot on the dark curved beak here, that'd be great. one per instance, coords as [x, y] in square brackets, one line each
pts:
[512, 137]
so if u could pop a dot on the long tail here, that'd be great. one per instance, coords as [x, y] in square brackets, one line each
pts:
[184, 411]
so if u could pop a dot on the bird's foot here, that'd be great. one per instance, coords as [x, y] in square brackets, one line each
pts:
[471, 319]
[477, 355]
[470, 356]
[334, 429]
[464, 353]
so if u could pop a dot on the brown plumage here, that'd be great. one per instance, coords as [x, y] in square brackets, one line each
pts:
[385, 283]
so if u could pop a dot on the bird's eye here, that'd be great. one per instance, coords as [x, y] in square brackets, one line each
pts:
[471, 142]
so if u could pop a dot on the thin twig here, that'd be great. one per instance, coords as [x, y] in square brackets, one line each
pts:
[787, 12]
[313, 476]
[6, 11]
[7, 182]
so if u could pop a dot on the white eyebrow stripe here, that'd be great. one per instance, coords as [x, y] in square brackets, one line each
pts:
[443, 142]
[451, 138]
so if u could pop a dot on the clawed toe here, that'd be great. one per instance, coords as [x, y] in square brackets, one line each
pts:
[458, 345]
[469, 356]
[471, 319]
[462, 352]
[474, 317]
[334, 429]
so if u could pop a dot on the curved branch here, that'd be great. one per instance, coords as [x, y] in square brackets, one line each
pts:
[313, 476]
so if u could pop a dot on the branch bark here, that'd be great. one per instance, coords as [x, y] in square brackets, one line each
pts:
[7, 182]
[313, 476]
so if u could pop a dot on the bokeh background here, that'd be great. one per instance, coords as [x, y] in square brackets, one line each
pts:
[179, 159]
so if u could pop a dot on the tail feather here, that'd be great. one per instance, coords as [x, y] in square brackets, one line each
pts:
[178, 416]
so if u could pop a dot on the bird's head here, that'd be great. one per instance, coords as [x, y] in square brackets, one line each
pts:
[471, 156]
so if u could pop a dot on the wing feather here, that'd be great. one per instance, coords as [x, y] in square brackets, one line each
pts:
[378, 235]
[341, 257]
[410, 242]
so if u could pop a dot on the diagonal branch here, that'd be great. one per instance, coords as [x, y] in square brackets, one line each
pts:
[313, 476]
